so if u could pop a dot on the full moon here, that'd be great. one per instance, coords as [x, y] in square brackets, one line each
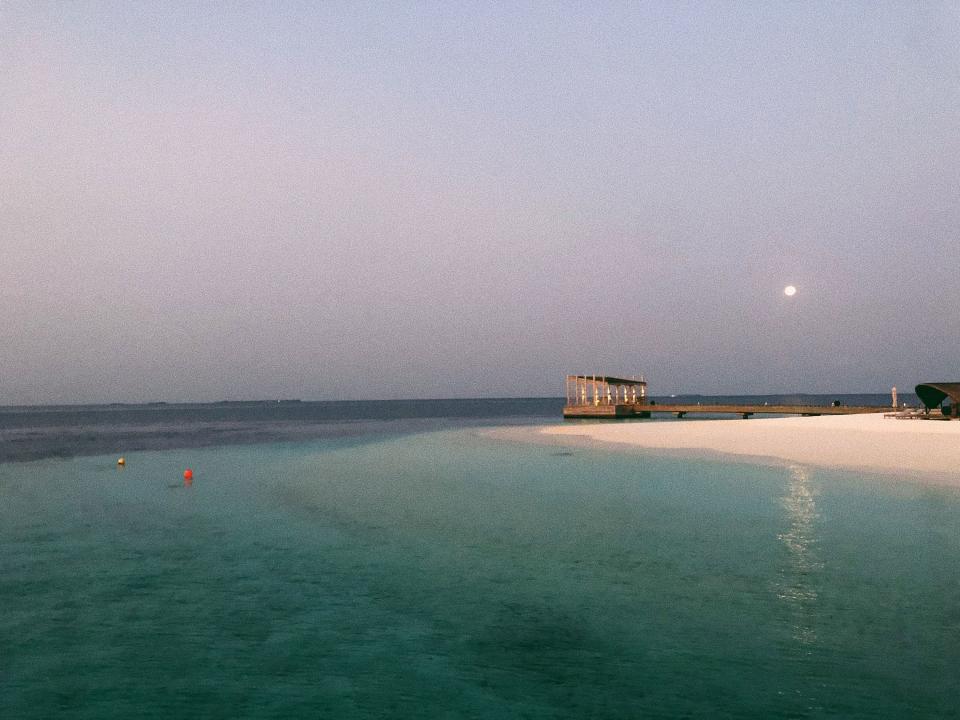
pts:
[789, 291]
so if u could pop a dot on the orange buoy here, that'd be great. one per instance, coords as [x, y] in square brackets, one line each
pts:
[121, 462]
[188, 474]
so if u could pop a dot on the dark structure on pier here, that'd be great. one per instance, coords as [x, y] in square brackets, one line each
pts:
[932, 396]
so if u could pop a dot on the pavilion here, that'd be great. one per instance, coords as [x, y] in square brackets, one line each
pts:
[604, 390]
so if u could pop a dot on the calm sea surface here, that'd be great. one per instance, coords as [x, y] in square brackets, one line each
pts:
[401, 563]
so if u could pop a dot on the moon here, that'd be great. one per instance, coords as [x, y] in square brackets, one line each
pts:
[789, 291]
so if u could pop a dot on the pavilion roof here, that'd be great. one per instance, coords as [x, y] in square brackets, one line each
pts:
[609, 379]
[932, 394]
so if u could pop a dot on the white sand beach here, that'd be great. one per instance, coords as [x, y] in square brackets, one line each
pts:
[848, 441]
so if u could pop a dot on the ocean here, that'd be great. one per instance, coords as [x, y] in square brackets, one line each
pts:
[368, 560]
[37, 432]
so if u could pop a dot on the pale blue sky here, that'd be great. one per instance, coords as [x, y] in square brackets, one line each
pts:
[247, 200]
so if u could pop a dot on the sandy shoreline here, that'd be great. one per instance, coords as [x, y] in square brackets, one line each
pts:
[870, 442]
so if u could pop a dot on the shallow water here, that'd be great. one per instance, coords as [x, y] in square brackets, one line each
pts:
[444, 574]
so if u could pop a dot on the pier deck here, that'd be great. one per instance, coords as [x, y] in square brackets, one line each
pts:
[640, 410]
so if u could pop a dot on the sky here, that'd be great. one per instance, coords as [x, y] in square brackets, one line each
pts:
[209, 201]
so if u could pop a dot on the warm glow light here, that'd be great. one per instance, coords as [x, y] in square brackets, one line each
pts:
[789, 291]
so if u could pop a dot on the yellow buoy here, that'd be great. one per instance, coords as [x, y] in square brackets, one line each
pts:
[121, 462]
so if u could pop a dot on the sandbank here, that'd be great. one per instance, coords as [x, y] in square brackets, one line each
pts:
[870, 442]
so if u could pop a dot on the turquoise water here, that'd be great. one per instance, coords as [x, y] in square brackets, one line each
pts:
[445, 574]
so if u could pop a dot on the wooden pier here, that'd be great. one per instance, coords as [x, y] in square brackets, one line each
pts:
[645, 410]
[604, 397]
